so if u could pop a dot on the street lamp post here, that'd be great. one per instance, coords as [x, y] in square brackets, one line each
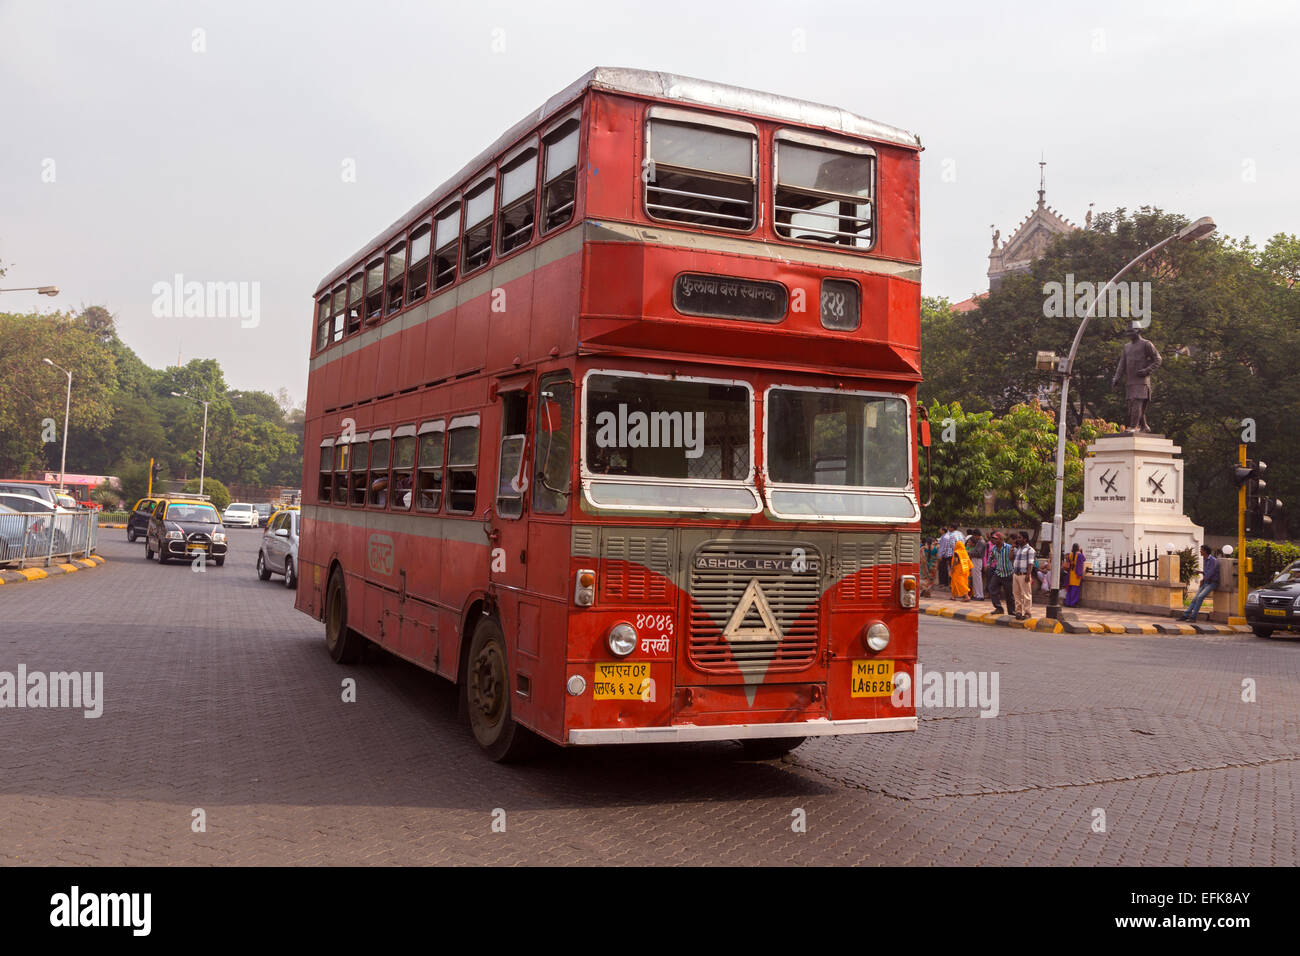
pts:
[203, 454]
[38, 289]
[67, 407]
[1197, 230]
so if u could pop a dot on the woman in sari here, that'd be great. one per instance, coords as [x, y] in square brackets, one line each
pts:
[961, 566]
[1075, 564]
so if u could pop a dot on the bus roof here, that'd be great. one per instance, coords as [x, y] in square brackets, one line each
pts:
[655, 85]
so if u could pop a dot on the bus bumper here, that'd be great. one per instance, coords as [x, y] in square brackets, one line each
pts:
[682, 733]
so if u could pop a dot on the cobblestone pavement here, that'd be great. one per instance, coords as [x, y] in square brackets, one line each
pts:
[220, 697]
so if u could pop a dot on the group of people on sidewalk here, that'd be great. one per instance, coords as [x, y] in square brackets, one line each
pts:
[1004, 566]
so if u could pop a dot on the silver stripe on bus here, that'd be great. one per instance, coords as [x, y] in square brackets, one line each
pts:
[468, 530]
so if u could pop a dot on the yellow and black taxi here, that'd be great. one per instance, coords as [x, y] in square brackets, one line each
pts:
[1276, 606]
[137, 525]
[184, 527]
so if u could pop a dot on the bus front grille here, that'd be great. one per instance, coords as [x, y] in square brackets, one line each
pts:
[769, 577]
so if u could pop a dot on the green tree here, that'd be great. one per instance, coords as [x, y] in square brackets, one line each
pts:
[214, 489]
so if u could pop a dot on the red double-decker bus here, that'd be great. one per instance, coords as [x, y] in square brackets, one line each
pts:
[617, 428]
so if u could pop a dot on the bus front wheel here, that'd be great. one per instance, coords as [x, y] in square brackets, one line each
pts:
[343, 643]
[487, 695]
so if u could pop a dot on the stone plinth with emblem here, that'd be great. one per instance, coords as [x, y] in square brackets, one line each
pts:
[1132, 499]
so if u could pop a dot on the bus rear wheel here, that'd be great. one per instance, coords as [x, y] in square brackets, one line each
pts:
[344, 644]
[487, 696]
[769, 748]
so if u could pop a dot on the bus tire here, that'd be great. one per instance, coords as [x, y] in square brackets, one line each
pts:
[343, 643]
[769, 748]
[486, 691]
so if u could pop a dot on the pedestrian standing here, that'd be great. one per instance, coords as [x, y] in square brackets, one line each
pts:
[945, 555]
[978, 549]
[1209, 581]
[1075, 582]
[961, 571]
[1022, 569]
[1002, 574]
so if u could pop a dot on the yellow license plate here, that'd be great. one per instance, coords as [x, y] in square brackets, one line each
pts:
[1275, 611]
[629, 681]
[198, 547]
[872, 679]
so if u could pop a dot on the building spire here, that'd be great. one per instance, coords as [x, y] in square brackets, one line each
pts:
[1042, 180]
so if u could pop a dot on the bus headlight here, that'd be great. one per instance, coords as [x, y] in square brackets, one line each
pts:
[622, 639]
[584, 588]
[877, 637]
[907, 590]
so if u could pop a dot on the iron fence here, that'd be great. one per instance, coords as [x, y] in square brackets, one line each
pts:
[1140, 565]
[39, 537]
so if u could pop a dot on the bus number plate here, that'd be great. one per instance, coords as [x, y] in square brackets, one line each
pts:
[872, 679]
[621, 681]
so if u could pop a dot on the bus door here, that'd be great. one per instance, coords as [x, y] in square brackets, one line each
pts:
[504, 520]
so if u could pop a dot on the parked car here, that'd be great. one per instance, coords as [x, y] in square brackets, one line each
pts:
[33, 489]
[264, 514]
[12, 539]
[51, 517]
[182, 528]
[278, 553]
[137, 525]
[1276, 606]
[239, 514]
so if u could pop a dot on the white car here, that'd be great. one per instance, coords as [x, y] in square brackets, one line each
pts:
[239, 515]
[279, 551]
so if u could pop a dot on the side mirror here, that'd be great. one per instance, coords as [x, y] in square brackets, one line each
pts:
[925, 433]
[282, 532]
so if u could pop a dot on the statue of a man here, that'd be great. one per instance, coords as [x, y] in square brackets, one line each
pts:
[1136, 363]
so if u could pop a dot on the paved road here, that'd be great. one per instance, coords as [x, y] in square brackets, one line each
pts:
[220, 697]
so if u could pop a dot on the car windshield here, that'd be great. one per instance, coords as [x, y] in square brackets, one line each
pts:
[240, 508]
[201, 513]
[1289, 575]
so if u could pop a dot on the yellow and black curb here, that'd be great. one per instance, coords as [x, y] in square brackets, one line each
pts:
[18, 576]
[1045, 625]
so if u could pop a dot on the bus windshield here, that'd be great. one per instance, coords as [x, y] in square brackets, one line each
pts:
[838, 455]
[672, 444]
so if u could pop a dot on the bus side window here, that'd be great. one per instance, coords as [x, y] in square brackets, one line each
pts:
[553, 446]
[323, 323]
[374, 289]
[560, 184]
[326, 470]
[418, 276]
[377, 483]
[462, 465]
[478, 224]
[511, 477]
[396, 277]
[446, 244]
[339, 294]
[354, 303]
[360, 461]
[342, 459]
[518, 201]
[403, 468]
[428, 491]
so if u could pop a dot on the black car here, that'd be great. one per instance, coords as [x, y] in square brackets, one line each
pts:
[264, 512]
[1274, 606]
[137, 525]
[182, 528]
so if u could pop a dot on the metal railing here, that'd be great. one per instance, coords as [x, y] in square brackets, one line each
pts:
[39, 537]
[1140, 565]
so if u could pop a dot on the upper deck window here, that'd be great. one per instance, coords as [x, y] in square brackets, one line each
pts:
[701, 170]
[560, 180]
[337, 311]
[418, 274]
[478, 224]
[824, 190]
[446, 245]
[518, 201]
[354, 302]
[322, 322]
[396, 277]
[374, 289]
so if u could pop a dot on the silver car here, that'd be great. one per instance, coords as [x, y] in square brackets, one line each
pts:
[278, 553]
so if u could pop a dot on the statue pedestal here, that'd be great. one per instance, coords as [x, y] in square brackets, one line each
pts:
[1132, 499]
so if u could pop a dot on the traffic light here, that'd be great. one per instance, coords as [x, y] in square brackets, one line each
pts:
[198, 459]
[157, 470]
[1259, 507]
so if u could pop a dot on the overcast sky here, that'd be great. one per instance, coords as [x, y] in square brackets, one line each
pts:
[127, 157]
